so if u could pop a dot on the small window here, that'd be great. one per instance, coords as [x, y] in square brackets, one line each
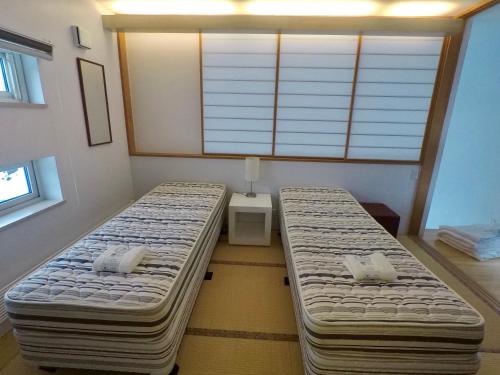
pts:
[12, 80]
[17, 185]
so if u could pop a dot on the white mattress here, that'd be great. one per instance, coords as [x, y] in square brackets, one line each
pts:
[67, 315]
[415, 324]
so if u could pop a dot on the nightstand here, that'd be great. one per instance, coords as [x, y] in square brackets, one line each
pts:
[250, 220]
[384, 216]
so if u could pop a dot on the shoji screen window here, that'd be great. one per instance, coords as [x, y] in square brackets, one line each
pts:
[314, 94]
[239, 74]
[393, 93]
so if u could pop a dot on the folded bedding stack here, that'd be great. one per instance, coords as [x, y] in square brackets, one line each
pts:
[409, 323]
[479, 241]
[120, 298]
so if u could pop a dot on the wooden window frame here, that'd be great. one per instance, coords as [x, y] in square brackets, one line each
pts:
[345, 158]
[446, 71]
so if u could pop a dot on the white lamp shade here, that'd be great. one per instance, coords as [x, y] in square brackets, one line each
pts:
[252, 168]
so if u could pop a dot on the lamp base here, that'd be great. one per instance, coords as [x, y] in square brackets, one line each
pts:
[251, 195]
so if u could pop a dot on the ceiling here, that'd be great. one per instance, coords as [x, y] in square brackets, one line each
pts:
[353, 8]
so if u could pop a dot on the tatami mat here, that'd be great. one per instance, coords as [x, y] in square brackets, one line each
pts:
[268, 255]
[226, 356]
[245, 298]
[243, 322]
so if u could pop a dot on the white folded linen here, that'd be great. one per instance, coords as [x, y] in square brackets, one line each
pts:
[372, 267]
[482, 242]
[119, 258]
[479, 233]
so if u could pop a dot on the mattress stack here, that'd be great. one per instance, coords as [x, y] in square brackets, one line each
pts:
[66, 315]
[479, 241]
[413, 325]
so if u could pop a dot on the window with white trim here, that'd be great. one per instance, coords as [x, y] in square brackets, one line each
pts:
[12, 80]
[345, 97]
[17, 185]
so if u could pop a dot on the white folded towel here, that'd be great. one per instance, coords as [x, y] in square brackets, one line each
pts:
[373, 267]
[119, 258]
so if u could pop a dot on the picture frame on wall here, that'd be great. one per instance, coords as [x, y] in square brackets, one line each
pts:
[95, 102]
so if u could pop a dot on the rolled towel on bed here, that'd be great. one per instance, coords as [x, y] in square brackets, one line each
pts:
[119, 258]
[373, 267]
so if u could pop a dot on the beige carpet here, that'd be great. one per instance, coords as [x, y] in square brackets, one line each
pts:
[243, 322]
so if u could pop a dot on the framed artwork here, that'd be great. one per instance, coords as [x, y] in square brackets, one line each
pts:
[95, 102]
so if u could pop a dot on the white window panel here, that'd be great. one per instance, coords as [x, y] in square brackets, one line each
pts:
[316, 74]
[258, 113]
[396, 76]
[402, 154]
[311, 126]
[257, 74]
[373, 115]
[399, 61]
[396, 141]
[240, 124]
[376, 102]
[393, 96]
[243, 87]
[321, 101]
[305, 113]
[239, 60]
[317, 61]
[238, 43]
[244, 136]
[312, 139]
[315, 88]
[402, 45]
[238, 99]
[238, 148]
[239, 72]
[394, 89]
[388, 129]
[310, 151]
[319, 44]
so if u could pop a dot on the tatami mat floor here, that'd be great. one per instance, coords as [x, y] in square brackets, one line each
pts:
[243, 321]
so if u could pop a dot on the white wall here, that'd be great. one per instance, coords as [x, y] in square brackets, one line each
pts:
[95, 181]
[393, 185]
[467, 188]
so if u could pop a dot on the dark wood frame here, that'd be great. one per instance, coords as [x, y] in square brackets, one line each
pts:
[84, 102]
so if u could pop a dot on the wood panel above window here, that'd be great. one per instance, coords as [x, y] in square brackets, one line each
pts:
[323, 96]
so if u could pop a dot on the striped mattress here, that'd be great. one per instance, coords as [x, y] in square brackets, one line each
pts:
[414, 325]
[66, 315]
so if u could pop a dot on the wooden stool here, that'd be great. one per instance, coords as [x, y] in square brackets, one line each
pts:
[384, 216]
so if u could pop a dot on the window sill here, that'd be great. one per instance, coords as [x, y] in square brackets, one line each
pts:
[26, 212]
[13, 104]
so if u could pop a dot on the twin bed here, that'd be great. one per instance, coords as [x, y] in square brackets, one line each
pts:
[67, 315]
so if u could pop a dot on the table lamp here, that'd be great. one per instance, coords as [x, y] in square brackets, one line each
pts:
[252, 167]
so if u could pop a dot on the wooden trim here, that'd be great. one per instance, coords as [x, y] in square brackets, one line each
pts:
[276, 90]
[478, 8]
[202, 108]
[436, 123]
[432, 106]
[353, 95]
[127, 101]
[273, 158]
[321, 24]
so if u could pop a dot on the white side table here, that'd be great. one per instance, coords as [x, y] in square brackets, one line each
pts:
[250, 220]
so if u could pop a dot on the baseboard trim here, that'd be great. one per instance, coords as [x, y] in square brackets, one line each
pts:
[5, 325]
